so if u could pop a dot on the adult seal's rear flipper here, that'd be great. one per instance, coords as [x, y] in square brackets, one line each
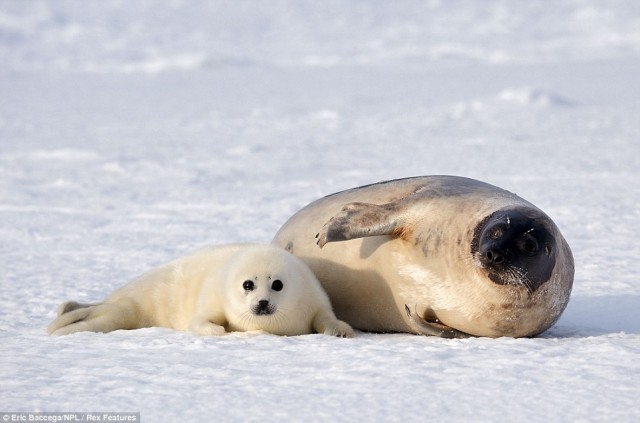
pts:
[359, 220]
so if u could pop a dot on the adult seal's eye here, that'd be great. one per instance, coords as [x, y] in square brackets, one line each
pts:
[248, 285]
[497, 232]
[277, 285]
[530, 246]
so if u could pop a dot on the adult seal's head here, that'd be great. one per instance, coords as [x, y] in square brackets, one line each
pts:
[437, 255]
[516, 247]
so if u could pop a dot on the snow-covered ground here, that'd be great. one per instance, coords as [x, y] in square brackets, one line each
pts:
[133, 132]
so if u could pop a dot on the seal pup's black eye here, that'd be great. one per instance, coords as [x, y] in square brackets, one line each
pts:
[248, 285]
[277, 285]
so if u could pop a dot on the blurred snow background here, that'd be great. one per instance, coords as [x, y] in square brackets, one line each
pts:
[133, 132]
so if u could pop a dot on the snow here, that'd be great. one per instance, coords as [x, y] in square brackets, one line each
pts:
[134, 132]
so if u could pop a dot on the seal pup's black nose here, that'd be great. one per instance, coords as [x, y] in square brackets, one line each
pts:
[263, 308]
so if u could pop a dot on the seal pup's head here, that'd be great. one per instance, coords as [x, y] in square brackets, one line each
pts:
[516, 247]
[266, 289]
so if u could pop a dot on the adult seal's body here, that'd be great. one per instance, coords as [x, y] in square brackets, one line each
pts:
[238, 287]
[436, 255]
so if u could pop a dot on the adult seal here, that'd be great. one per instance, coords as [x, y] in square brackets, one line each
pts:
[237, 287]
[435, 255]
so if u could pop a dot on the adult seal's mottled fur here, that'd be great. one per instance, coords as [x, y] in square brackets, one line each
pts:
[435, 255]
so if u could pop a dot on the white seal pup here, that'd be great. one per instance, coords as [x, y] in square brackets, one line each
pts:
[436, 255]
[239, 287]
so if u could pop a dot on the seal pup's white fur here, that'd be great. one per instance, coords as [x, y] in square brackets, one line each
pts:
[238, 287]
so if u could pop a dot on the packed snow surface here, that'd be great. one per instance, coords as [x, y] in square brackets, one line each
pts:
[134, 132]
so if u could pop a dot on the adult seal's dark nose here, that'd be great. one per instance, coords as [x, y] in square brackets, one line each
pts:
[495, 257]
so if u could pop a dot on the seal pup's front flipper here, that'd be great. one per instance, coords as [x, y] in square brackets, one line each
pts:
[326, 322]
[359, 220]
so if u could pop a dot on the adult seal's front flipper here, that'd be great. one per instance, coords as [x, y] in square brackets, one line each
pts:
[432, 328]
[359, 220]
